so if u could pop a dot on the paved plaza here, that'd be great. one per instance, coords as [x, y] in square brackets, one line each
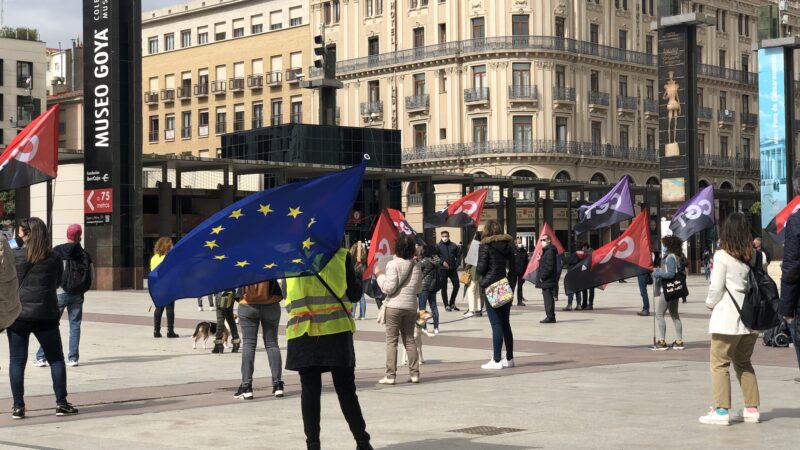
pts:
[588, 381]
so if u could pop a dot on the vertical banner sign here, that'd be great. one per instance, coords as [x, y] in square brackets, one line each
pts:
[677, 116]
[112, 140]
[772, 132]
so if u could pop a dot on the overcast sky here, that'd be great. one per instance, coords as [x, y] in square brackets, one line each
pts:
[58, 20]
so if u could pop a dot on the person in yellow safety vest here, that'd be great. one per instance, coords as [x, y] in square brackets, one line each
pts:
[320, 339]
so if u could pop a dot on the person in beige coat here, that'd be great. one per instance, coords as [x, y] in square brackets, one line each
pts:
[731, 341]
[9, 294]
[401, 283]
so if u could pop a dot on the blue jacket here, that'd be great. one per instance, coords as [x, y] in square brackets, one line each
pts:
[790, 269]
[669, 269]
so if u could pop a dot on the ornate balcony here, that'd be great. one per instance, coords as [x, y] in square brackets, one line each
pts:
[563, 97]
[236, 84]
[255, 81]
[704, 114]
[726, 117]
[651, 108]
[723, 73]
[598, 101]
[476, 96]
[185, 92]
[219, 87]
[417, 103]
[523, 93]
[168, 95]
[748, 120]
[273, 79]
[151, 98]
[372, 110]
[627, 105]
[294, 75]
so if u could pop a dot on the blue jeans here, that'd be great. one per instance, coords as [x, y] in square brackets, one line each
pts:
[429, 298]
[18, 359]
[73, 303]
[642, 279]
[577, 296]
[362, 304]
[501, 330]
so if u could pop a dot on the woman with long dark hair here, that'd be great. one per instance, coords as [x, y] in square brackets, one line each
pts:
[495, 262]
[39, 274]
[163, 246]
[732, 343]
[670, 265]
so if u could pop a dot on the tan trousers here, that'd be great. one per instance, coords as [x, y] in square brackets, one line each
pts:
[400, 322]
[474, 297]
[736, 349]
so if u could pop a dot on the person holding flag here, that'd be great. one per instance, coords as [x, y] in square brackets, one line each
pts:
[670, 267]
[548, 278]
[790, 273]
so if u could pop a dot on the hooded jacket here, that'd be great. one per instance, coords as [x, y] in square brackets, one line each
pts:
[548, 277]
[430, 267]
[38, 285]
[9, 297]
[495, 255]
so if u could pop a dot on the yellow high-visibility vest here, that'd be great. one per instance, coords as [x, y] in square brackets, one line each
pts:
[312, 308]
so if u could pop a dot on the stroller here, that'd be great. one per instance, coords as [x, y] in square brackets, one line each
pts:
[779, 336]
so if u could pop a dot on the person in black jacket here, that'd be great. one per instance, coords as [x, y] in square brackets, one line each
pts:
[39, 273]
[450, 256]
[495, 255]
[548, 277]
[790, 274]
[521, 259]
[575, 257]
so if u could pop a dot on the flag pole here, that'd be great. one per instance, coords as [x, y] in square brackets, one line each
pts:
[50, 210]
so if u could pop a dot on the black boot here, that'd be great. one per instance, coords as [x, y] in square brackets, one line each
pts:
[157, 333]
[218, 348]
[236, 345]
[313, 446]
[363, 445]
[171, 334]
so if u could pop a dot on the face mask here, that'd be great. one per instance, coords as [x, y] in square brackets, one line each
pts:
[445, 239]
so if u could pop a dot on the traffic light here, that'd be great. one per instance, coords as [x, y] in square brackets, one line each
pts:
[327, 57]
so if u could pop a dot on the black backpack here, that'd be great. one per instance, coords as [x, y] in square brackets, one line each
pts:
[759, 310]
[77, 278]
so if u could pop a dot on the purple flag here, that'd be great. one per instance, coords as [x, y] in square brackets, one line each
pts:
[695, 215]
[614, 207]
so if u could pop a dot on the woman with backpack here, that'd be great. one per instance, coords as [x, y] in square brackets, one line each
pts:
[670, 266]
[430, 265]
[731, 341]
[163, 246]
[39, 273]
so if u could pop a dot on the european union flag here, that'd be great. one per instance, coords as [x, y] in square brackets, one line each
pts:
[288, 231]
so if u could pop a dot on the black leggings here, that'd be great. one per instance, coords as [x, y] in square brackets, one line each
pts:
[170, 317]
[345, 384]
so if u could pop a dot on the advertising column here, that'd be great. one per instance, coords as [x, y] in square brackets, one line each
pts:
[112, 141]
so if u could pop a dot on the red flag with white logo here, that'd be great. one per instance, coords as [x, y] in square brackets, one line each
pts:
[382, 244]
[464, 212]
[32, 156]
[532, 270]
[625, 257]
[775, 227]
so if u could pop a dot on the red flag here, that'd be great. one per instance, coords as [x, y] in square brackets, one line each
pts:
[464, 212]
[533, 265]
[382, 243]
[32, 156]
[625, 257]
[399, 221]
[775, 227]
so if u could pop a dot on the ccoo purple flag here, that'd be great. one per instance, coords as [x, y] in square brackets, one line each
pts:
[614, 207]
[695, 215]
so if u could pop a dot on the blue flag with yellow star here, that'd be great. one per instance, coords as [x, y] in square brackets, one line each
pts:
[288, 231]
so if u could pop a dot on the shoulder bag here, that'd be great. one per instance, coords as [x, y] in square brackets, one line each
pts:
[675, 288]
[381, 319]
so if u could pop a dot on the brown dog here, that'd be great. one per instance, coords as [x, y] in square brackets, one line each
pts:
[423, 317]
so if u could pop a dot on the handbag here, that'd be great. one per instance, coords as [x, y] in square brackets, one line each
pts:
[675, 288]
[381, 318]
[464, 278]
[499, 293]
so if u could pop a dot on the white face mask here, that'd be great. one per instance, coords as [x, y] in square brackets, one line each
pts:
[445, 239]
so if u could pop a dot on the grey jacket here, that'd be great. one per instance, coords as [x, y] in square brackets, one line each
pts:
[9, 294]
[401, 283]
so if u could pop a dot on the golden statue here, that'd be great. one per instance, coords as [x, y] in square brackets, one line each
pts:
[673, 111]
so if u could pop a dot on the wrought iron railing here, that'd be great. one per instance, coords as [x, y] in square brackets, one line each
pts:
[294, 74]
[598, 98]
[728, 162]
[563, 93]
[184, 92]
[369, 108]
[651, 105]
[151, 97]
[704, 113]
[168, 95]
[480, 94]
[541, 147]
[629, 103]
[255, 81]
[726, 115]
[724, 73]
[523, 92]
[748, 118]
[273, 78]
[219, 87]
[236, 84]
[417, 102]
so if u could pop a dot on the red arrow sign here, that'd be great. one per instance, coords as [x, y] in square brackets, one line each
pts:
[98, 201]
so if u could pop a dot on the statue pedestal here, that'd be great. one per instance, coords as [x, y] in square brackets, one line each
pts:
[672, 149]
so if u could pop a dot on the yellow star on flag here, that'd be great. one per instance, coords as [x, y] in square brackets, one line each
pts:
[308, 243]
[265, 209]
[297, 261]
[220, 257]
[242, 263]
[294, 212]
[236, 214]
[217, 230]
[211, 244]
[270, 266]
[312, 222]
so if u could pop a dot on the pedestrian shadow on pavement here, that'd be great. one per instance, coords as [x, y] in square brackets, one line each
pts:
[454, 443]
[780, 413]
[136, 359]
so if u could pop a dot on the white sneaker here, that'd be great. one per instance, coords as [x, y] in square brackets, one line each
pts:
[211, 308]
[40, 363]
[749, 417]
[72, 363]
[713, 418]
[199, 308]
[492, 365]
[507, 363]
[386, 380]
[468, 314]
[414, 380]
[435, 331]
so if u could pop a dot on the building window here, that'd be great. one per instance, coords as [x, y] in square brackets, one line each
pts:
[561, 76]
[623, 85]
[560, 30]
[745, 63]
[621, 4]
[478, 28]
[169, 128]
[521, 76]
[622, 39]
[202, 35]
[373, 46]
[479, 129]
[651, 139]
[597, 136]
[699, 97]
[258, 115]
[277, 112]
[152, 46]
[523, 132]
[296, 16]
[186, 38]
[722, 58]
[219, 32]
[723, 146]
[238, 117]
[442, 33]
[202, 123]
[701, 143]
[594, 81]
[520, 25]
[275, 20]
[419, 37]
[419, 84]
[745, 104]
[374, 91]
[442, 134]
[650, 89]
[746, 149]
[420, 135]
[723, 100]
[221, 119]
[373, 8]
[479, 77]
[648, 43]
[594, 33]
[442, 81]
[297, 111]
[152, 129]
[186, 125]
[561, 129]
[25, 74]
[256, 24]
[238, 28]
[623, 136]
[169, 42]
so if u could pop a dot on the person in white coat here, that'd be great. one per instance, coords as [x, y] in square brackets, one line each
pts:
[731, 341]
